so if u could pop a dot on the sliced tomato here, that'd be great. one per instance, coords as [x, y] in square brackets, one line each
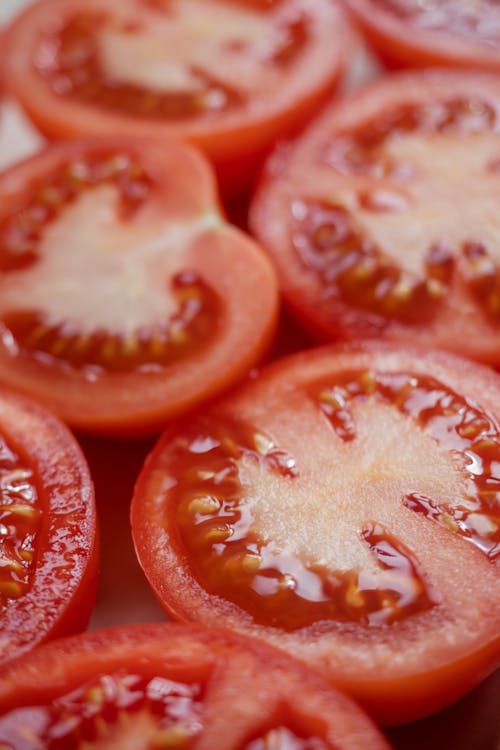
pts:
[345, 508]
[48, 553]
[167, 686]
[124, 296]
[228, 76]
[435, 32]
[382, 218]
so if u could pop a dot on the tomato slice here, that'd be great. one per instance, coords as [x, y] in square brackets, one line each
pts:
[436, 32]
[168, 686]
[228, 76]
[368, 222]
[48, 553]
[345, 508]
[124, 296]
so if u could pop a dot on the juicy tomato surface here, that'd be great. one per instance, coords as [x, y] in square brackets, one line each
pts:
[435, 32]
[48, 550]
[228, 76]
[168, 686]
[124, 296]
[343, 507]
[382, 217]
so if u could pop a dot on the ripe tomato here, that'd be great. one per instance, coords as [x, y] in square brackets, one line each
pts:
[48, 554]
[368, 222]
[167, 686]
[343, 507]
[124, 296]
[228, 76]
[434, 32]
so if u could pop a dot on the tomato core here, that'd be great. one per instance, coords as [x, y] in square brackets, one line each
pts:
[223, 528]
[20, 518]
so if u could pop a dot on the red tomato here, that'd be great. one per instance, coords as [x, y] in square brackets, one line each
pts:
[124, 296]
[227, 75]
[435, 32]
[343, 507]
[168, 686]
[369, 222]
[48, 554]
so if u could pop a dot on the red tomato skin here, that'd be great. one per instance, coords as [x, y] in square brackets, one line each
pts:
[191, 654]
[136, 405]
[400, 45]
[392, 699]
[236, 148]
[61, 596]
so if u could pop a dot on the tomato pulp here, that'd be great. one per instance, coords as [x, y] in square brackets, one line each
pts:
[438, 32]
[381, 218]
[124, 296]
[166, 686]
[343, 507]
[48, 553]
[227, 76]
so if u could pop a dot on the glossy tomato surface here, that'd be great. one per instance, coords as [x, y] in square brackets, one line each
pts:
[457, 33]
[48, 554]
[125, 298]
[228, 76]
[382, 218]
[167, 686]
[344, 507]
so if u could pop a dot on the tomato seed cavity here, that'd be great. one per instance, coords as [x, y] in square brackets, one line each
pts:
[167, 714]
[20, 518]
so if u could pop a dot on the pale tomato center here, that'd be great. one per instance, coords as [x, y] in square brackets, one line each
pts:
[96, 272]
[450, 197]
[387, 459]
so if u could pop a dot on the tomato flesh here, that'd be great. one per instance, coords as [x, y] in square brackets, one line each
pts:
[384, 241]
[170, 687]
[112, 218]
[230, 558]
[20, 236]
[325, 507]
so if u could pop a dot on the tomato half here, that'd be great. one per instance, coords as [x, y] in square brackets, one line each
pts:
[345, 508]
[228, 76]
[382, 218]
[48, 553]
[166, 686]
[435, 32]
[124, 296]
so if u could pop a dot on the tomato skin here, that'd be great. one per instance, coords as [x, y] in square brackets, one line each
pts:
[220, 660]
[400, 44]
[61, 595]
[138, 403]
[235, 143]
[433, 674]
[459, 324]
